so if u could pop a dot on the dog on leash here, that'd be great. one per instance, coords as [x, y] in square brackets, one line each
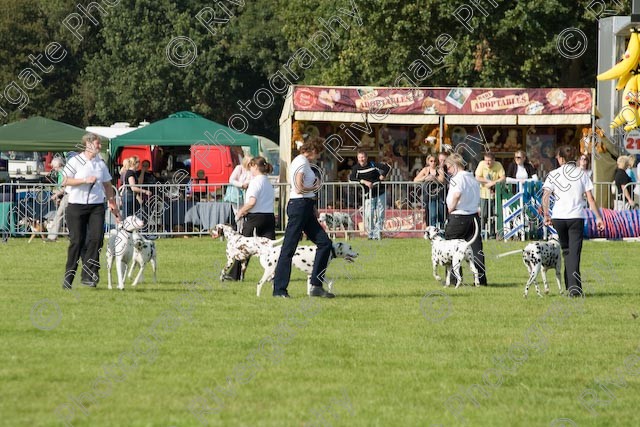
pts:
[451, 254]
[303, 260]
[144, 252]
[240, 248]
[336, 221]
[120, 248]
[539, 257]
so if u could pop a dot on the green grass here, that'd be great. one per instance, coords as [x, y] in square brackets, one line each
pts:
[393, 349]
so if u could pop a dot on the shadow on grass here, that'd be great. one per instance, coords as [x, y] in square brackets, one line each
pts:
[408, 295]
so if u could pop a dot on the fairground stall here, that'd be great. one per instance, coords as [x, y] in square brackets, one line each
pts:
[401, 126]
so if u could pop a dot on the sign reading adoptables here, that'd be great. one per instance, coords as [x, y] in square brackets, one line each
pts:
[443, 101]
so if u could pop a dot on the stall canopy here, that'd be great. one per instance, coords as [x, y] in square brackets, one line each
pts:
[185, 129]
[40, 134]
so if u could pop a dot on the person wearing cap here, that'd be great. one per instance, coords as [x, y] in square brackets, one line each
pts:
[88, 184]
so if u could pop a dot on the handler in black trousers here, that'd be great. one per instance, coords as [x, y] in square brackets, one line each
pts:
[463, 204]
[302, 217]
[89, 183]
[569, 184]
[258, 209]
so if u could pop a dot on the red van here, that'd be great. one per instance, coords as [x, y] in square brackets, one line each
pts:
[207, 164]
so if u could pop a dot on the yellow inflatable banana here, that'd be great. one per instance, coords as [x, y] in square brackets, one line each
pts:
[622, 82]
[629, 60]
[627, 116]
[630, 92]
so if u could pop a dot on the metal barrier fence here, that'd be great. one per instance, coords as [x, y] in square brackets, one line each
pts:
[176, 209]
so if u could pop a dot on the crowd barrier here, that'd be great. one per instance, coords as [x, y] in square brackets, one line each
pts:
[176, 209]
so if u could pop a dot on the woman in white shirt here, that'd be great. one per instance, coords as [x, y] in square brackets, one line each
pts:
[569, 184]
[88, 184]
[257, 210]
[240, 178]
[463, 205]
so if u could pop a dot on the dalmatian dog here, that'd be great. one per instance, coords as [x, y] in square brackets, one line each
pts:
[337, 221]
[539, 257]
[120, 248]
[302, 259]
[144, 252]
[240, 248]
[451, 254]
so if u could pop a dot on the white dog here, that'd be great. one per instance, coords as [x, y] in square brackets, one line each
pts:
[120, 248]
[240, 248]
[451, 253]
[144, 252]
[302, 259]
[540, 257]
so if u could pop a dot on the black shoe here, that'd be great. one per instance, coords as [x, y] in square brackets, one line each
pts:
[89, 283]
[66, 286]
[281, 295]
[318, 291]
[229, 278]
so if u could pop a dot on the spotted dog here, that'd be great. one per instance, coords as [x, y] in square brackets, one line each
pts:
[540, 257]
[337, 221]
[120, 248]
[302, 259]
[451, 253]
[144, 252]
[240, 248]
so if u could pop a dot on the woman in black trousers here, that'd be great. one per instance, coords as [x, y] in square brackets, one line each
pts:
[89, 183]
[569, 184]
[258, 209]
[463, 204]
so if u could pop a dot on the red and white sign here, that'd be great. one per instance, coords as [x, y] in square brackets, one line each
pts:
[632, 141]
[443, 101]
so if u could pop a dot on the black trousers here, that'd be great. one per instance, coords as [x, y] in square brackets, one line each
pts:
[86, 235]
[463, 227]
[570, 236]
[301, 213]
[264, 225]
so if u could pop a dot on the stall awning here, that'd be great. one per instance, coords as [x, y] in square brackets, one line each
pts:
[469, 119]
[557, 119]
[404, 119]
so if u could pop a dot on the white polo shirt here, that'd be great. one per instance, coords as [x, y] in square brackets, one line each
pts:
[80, 167]
[568, 184]
[261, 189]
[469, 188]
[301, 164]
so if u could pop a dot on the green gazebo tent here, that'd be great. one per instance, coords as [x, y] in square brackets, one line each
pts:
[40, 134]
[185, 129]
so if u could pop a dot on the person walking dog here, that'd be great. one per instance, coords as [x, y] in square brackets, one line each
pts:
[301, 213]
[89, 183]
[569, 184]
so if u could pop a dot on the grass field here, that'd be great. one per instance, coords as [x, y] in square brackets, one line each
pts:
[393, 349]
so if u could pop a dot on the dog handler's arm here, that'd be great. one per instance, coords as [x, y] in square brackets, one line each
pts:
[594, 209]
[111, 200]
[455, 198]
[546, 196]
[246, 207]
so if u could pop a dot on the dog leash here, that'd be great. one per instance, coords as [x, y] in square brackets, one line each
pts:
[89, 193]
[509, 253]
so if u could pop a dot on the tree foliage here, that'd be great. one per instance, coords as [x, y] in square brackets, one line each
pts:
[120, 70]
